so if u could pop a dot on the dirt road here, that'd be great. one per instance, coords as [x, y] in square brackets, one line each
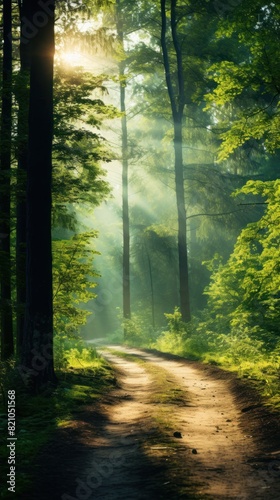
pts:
[171, 429]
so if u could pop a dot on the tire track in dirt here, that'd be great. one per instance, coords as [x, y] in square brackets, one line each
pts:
[123, 447]
[220, 456]
[102, 453]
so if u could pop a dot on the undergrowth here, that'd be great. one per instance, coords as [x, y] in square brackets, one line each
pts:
[240, 351]
[83, 377]
[237, 351]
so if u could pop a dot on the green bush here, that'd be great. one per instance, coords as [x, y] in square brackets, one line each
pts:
[181, 338]
[244, 292]
[138, 332]
[72, 352]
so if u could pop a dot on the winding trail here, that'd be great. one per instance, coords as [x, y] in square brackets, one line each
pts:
[171, 429]
[219, 454]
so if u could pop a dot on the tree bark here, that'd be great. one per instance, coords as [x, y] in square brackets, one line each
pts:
[7, 343]
[125, 210]
[182, 224]
[125, 202]
[37, 355]
[177, 100]
[22, 95]
[152, 288]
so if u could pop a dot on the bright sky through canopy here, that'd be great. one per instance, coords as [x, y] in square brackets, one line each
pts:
[72, 58]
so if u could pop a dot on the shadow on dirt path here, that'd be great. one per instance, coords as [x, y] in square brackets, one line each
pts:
[101, 454]
[231, 441]
[125, 448]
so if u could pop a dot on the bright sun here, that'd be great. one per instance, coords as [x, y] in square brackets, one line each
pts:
[78, 58]
[72, 58]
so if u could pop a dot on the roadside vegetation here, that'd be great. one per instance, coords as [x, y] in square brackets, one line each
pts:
[239, 327]
[84, 376]
[236, 351]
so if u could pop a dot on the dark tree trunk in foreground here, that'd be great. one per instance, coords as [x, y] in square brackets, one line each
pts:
[7, 343]
[37, 355]
[125, 204]
[22, 151]
[177, 100]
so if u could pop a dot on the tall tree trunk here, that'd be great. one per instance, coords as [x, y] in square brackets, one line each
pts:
[22, 148]
[125, 208]
[7, 343]
[177, 99]
[182, 224]
[125, 204]
[37, 355]
[152, 288]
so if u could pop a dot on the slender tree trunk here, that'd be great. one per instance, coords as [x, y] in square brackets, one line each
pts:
[22, 148]
[7, 343]
[152, 289]
[125, 210]
[37, 355]
[125, 203]
[182, 224]
[177, 99]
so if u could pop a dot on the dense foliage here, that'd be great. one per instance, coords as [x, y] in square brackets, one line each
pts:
[244, 292]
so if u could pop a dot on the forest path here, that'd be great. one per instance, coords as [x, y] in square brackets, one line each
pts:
[124, 447]
[216, 450]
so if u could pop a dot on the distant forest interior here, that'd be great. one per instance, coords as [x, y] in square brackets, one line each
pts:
[140, 189]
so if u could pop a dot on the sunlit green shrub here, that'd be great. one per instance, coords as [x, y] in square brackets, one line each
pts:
[138, 331]
[168, 342]
[73, 353]
[239, 346]
[73, 282]
[184, 339]
[175, 323]
[244, 292]
[197, 344]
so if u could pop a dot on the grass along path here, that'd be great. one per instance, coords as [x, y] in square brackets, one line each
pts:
[39, 417]
[163, 428]
[221, 447]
